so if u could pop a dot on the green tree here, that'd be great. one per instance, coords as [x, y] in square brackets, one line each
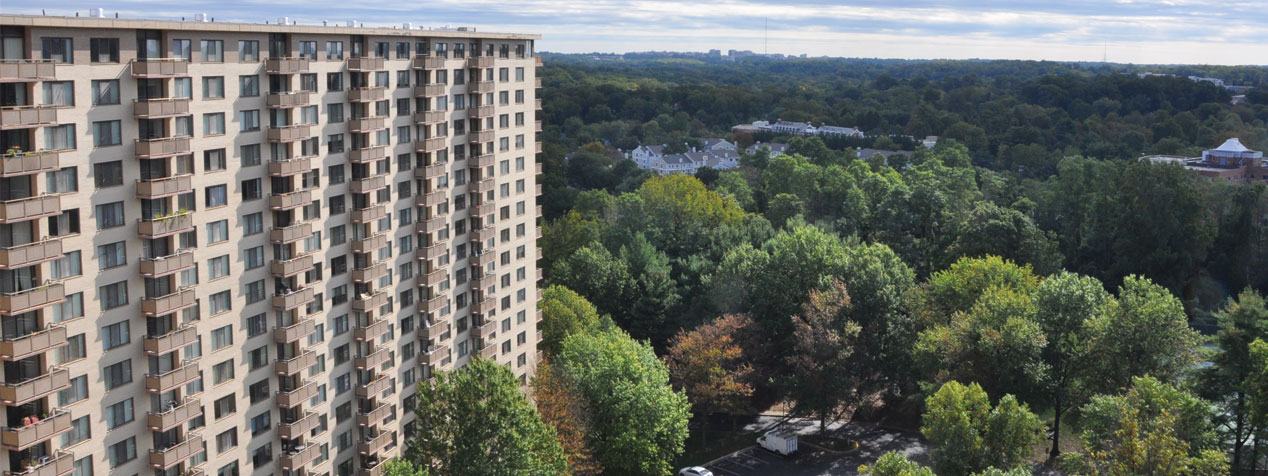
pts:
[1162, 208]
[994, 230]
[571, 232]
[1227, 380]
[402, 467]
[894, 464]
[971, 436]
[1143, 332]
[564, 313]
[598, 276]
[783, 208]
[1136, 449]
[959, 286]
[822, 380]
[640, 422]
[511, 439]
[734, 185]
[1151, 405]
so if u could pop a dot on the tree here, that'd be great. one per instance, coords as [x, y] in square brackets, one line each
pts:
[971, 436]
[511, 438]
[402, 467]
[1133, 450]
[1227, 380]
[959, 286]
[894, 464]
[1162, 205]
[1143, 332]
[733, 184]
[994, 230]
[709, 366]
[1150, 405]
[594, 273]
[783, 208]
[563, 407]
[564, 313]
[822, 379]
[640, 422]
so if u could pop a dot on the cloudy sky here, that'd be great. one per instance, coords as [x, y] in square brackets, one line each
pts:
[1135, 31]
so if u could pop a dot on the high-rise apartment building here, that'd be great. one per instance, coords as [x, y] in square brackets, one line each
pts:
[235, 248]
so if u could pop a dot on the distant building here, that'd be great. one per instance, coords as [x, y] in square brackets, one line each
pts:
[718, 154]
[1230, 162]
[798, 128]
[929, 141]
[775, 148]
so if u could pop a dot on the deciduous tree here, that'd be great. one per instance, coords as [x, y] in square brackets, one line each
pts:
[971, 436]
[563, 407]
[708, 364]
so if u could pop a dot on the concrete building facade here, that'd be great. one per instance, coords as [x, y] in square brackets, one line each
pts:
[236, 248]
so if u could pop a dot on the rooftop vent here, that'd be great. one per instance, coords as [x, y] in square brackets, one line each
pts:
[407, 26]
[97, 12]
[202, 17]
[352, 23]
[283, 20]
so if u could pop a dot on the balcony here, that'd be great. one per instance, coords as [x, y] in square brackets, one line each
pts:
[26, 117]
[429, 62]
[434, 304]
[165, 226]
[289, 167]
[175, 340]
[537, 104]
[286, 65]
[371, 94]
[369, 273]
[373, 360]
[481, 161]
[487, 330]
[376, 468]
[375, 388]
[170, 303]
[431, 225]
[434, 144]
[299, 427]
[290, 200]
[290, 99]
[18, 439]
[160, 68]
[160, 147]
[430, 91]
[31, 253]
[365, 63]
[481, 87]
[537, 168]
[537, 83]
[21, 347]
[26, 209]
[160, 108]
[369, 214]
[369, 243]
[431, 331]
[291, 234]
[368, 184]
[29, 163]
[291, 133]
[31, 299]
[539, 215]
[434, 251]
[296, 364]
[431, 171]
[291, 267]
[537, 126]
[60, 464]
[484, 233]
[477, 137]
[435, 276]
[376, 415]
[296, 331]
[187, 372]
[298, 396]
[294, 460]
[373, 445]
[435, 355]
[286, 302]
[178, 413]
[367, 154]
[481, 186]
[538, 192]
[372, 331]
[367, 124]
[484, 282]
[370, 302]
[482, 209]
[14, 394]
[480, 62]
[166, 265]
[178, 453]
[431, 199]
[537, 147]
[164, 187]
[484, 306]
[26, 71]
[489, 351]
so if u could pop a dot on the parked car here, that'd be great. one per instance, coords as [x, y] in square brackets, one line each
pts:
[694, 471]
[780, 441]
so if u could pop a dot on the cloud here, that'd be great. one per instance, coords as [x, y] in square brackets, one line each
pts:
[1139, 31]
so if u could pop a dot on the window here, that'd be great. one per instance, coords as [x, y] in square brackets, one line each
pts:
[214, 124]
[222, 372]
[252, 223]
[76, 348]
[113, 295]
[183, 88]
[260, 423]
[213, 51]
[122, 452]
[104, 50]
[334, 81]
[334, 113]
[255, 291]
[230, 469]
[77, 391]
[58, 50]
[220, 302]
[112, 254]
[213, 87]
[227, 440]
[71, 308]
[115, 335]
[119, 414]
[248, 50]
[217, 196]
[253, 257]
[222, 337]
[107, 174]
[334, 144]
[214, 159]
[105, 91]
[67, 266]
[117, 374]
[79, 431]
[250, 120]
[334, 50]
[250, 154]
[249, 86]
[59, 93]
[105, 133]
[259, 391]
[262, 456]
[217, 231]
[252, 189]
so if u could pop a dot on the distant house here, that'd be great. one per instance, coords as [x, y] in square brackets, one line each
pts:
[798, 128]
[1230, 162]
[775, 148]
[929, 141]
[645, 155]
[716, 144]
[840, 131]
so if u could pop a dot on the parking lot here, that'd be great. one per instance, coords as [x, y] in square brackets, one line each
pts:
[812, 461]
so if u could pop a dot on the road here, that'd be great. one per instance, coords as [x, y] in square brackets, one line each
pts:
[874, 442]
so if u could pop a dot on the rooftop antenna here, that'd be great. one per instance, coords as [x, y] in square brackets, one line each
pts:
[765, 36]
[1105, 53]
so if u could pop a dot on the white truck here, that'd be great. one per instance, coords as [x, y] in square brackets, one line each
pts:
[779, 441]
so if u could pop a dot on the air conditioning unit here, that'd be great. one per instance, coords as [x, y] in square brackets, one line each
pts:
[202, 17]
[97, 12]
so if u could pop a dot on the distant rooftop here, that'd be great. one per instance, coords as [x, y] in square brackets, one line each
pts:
[208, 23]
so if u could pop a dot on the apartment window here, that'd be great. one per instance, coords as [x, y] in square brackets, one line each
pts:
[334, 144]
[58, 50]
[67, 266]
[250, 154]
[59, 93]
[249, 86]
[252, 223]
[71, 308]
[115, 335]
[183, 88]
[122, 452]
[334, 50]
[117, 374]
[104, 50]
[222, 372]
[59, 137]
[260, 423]
[250, 120]
[252, 189]
[105, 91]
[308, 50]
[308, 115]
[227, 440]
[258, 357]
[217, 231]
[308, 81]
[253, 257]
[248, 50]
[220, 302]
[334, 113]
[213, 51]
[221, 337]
[262, 456]
[76, 348]
[77, 391]
[119, 414]
[213, 87]
[259, 391]
[79, 431]
[214, 124]
[334, 81]
[107, 174]
[112, 254]
[217, 196]
[255, 291]
[113, 295]
[230, 469]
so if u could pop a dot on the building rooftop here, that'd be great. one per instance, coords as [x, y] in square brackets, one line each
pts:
[339, 28]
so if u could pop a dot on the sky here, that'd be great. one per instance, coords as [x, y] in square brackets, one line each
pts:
[1233, 32]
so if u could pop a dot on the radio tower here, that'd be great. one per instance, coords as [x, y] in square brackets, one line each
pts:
[765, 36]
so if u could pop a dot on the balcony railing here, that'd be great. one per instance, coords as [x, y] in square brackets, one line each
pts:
[291, 133]
[366, 124]
[296, 331]
[31, 299]
[431, 171]
[166, 265]
[291, 234]
[435, 276]
[369, 94]
[433, 198]
[480, 62]
[434, 144]
[369, 214]
[162, 382]
[60, 463]
[177, 413]
[489, 351]
[433, 330]
[434, 304]
[431, 225]
[164, 187]
[369, 273]
[172, 341]
[477, 137]
[289, 167]
[26, 209]
[434, 251]
[372, 331]
[368, 184]
[13, 394]
[25, 71]
[284, 100]
[294, 460]
[291, 267]
[480, 87]
[299, 427]
[178, 453]
[429, 62]
[20, 347]
[430, 90]
[481, 160]
[165, 226]
[435, 355]
[365, 63]
[373, 445]
[373, 360]
[161, 147]
[369, 243]
[294, 299]
[367, 154]
[290, 200]
[303, 393]
[160, 68]
[375, 388]
[29, 163]
[160, 107]
[31, 253]
[296, 364]
[484, 306]
[163, 305]
[286, 65]
[375, 415]
[370, 302]
[481, 186]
